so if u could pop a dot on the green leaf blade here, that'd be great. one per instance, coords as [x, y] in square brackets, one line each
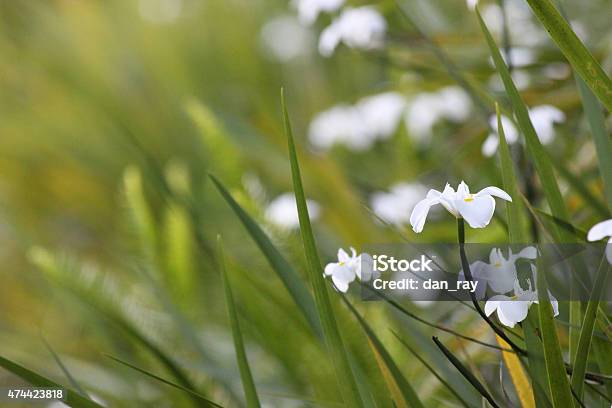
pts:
[250, 392]
[574, 50]
[336, 348]
[279, 264]
[72, 398]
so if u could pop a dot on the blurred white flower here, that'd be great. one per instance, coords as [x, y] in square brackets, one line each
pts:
[489, 147]
[395, 206]
[544, 118]
[512, 310]
[359, 126]
[381, 113]
[309, 10]
[520, 77]
[348, 268]
[282, 211]
[160, 11]
[285, 39]
[471, 4]
[520, 57]
[477, 209]
[500, 273]
[427, 108]
[523, 29]
[600, 231]
[362, 28]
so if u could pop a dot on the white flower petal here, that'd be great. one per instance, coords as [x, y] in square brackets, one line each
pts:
[512, 312]
[494, 191]
[529, 252]
[343, 256]
[489, 147]
[600, 231]
[330, 267]
[419, 213]
[477, 211]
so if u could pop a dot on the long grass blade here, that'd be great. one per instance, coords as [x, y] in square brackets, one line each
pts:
[558, 383]
[538, 154]
[192, 393]
[466, 373]
[588, 327]
[403, 393]
[72, 398]
[248, 384]
[574, 50]
[338, 353]
[513, 211]
[288, 275]
[603, 148]
[75, 384]
[418, 356]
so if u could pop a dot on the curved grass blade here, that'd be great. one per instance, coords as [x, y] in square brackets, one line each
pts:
[73, 398]
[250, 392]
[401, 390]
[574, 50]
[431, 370]
[517, 374]
[535, 355]
[191, 393]
[338, 353]
[513, 212]
[465, 372]
[558, 383]
[75, 384]
[279, 264]
[588, 326]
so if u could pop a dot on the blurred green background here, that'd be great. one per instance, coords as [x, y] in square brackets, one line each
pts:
[112, 114]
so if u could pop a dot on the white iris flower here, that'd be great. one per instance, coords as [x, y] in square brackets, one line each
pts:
[600, 231]
[348, 268]
[500, 273]
[513, 309]
[477, 209]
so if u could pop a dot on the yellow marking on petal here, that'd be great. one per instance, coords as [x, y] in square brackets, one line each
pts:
[468, 199]
[498, 264]
[341, 263]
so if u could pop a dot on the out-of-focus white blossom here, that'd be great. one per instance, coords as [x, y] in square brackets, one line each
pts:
[600, 231]
[395, 206]
[362, 28]
[477, 209]
[520, 77]
[282, 211]
[309, 10]
[489, 147]
[543, 118]
[285, 39]
[358, 126]
[471, 4]
[426, 109]
[523, 30]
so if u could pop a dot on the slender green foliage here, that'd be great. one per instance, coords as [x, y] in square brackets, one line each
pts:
[73, 398]
[574, 50]
[248, 384]
[337, 350]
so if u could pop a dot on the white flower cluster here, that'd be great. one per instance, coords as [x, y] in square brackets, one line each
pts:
[377, 117]
[361, 27]
[543, 118]
[394, 206]
[500, 275]
[358, 126]
[282, 211]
